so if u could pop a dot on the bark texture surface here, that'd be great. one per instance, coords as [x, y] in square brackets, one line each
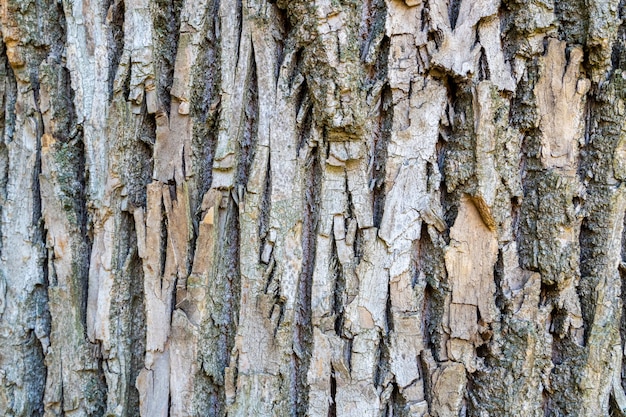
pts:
[312, 208]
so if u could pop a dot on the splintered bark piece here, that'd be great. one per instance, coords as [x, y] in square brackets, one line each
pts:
[560, 95]
[470, 259]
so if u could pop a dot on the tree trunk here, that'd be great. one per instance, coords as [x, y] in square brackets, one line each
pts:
[312, 208]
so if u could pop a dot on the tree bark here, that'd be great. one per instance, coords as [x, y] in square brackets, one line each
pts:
[312, 208]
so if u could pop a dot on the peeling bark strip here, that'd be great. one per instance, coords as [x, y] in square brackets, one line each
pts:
[312, 208]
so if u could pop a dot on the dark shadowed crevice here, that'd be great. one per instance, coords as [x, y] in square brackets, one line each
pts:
[347, 353]
[332, 409]
[515, 212]
[545, 402]
[432, 265]
[381, 133]
[137, 331]
[36, 370]
[35, 375]
[128, 309]
[115, 10]
[365, 25]
[473, 392]
[248, 141]
[359, 246]
[83, 219]
[381, 142]
[435, 36]
[166, 15]
[388, 312]
[98, 395]
[336, 270]
[73, 182]
[573, 20]
[240, 18]
[304, 110]
[425, 365]
[218, 329]
[163, 241]
[266, 205]
[430, 314]
[7, 117]
[382, 370]
[225, 289]
[138, 159]
[231, 304]
[398, 406]
[557, 324]
[562, 400]
[205, 101]
[590, 105]
[527, 233]
[614, 408]
[587, 287]
[453, 12]
[382, 365]
[284, 28]
[483, 66]
[371, 28]
[622, 327]
[456, 142]
[303, 329]
[498, 275]
[39, 231]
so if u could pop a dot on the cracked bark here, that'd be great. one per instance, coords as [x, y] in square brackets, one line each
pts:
[327, 208]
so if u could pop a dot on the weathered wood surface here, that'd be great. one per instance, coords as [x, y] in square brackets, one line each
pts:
[320, 208]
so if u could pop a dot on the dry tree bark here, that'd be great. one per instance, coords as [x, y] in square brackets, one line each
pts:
[320, 208]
